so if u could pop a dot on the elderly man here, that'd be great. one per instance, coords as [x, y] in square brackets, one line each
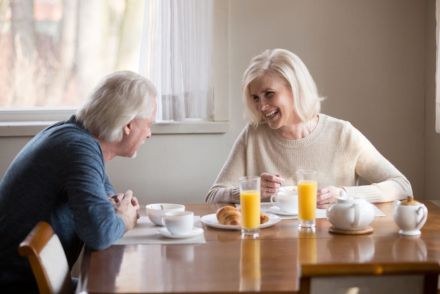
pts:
[59, 176]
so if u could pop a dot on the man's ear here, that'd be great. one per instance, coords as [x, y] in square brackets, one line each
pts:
[127, 129]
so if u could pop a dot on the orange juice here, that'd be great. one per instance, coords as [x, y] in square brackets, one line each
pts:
[250, 209]
[307, 200]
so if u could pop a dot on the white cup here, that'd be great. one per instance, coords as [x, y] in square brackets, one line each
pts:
[286, 199]
[156, 211]
[179, 222]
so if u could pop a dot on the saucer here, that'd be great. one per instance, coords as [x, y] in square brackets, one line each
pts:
[362, 231]
[195, 232]
[410, 232]
[277, 210]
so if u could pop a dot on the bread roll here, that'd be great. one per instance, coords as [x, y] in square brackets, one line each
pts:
[228, 215]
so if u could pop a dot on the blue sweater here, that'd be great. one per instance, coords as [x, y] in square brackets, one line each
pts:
[58, 177]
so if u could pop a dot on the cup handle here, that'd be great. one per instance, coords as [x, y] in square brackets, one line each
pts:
[356, 215]
[422, 214]
[272, 198]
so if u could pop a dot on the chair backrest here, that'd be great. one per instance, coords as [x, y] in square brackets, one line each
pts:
[48, 261]
[406, 277]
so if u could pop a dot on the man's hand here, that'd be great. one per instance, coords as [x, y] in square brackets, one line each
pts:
[116, 199]
[127, 207]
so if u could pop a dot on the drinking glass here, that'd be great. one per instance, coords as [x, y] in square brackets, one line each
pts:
[307, 190]
[250, 207]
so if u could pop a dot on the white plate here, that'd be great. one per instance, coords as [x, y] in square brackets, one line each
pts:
[195, 232]
[277, 210]
[211, 221]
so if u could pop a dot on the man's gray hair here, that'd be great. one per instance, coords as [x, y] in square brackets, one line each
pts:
[119, 98]
[307, 102]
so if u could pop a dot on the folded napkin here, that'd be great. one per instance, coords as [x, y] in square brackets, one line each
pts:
[146, 232]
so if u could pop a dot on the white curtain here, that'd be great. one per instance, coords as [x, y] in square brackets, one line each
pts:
[176, 55]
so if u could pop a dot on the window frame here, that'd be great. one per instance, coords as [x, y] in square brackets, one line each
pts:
[437, 68]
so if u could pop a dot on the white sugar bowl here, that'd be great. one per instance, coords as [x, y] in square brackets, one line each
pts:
[350, 214]
[410, 216]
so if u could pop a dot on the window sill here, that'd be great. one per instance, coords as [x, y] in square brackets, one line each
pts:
[190, 127]
[30, 128]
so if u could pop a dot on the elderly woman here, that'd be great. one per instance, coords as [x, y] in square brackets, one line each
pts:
[59, 177]
[287, 132]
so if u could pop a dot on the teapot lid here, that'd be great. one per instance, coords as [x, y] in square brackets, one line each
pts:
[344, 197]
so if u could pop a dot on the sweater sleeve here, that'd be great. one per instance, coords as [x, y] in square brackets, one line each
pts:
[96, 221]
[225, 188]
[109, 187]
[387, 183]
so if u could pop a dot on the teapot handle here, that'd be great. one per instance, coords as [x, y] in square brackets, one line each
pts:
[356, 215]
[422, 214]
[329, 209]
[396, 206]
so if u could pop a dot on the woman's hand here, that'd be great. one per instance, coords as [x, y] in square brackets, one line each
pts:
[327, 196]
[269, 185]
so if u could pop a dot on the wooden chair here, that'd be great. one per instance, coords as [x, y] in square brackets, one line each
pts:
[48, 261]
[408, 277]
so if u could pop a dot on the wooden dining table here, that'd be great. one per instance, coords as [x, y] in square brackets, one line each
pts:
[225, 263]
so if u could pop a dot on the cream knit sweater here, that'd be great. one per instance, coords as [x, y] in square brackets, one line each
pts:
[336, 149]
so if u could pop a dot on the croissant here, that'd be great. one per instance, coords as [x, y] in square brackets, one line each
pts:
[264, 218]
[228, 215]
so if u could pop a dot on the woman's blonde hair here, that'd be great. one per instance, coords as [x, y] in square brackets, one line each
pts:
[119, 98]
[307, 102]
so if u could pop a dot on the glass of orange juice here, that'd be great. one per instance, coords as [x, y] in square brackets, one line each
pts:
[250, 207]
[307, 189]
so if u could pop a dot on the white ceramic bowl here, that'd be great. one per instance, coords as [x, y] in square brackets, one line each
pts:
[156, 211]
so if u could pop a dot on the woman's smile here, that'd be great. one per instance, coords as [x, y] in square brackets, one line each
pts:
[272, 115]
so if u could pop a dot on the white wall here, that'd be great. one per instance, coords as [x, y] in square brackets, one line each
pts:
[367, 57]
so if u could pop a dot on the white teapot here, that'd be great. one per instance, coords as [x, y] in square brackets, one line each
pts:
[351, 214]
[410, 215]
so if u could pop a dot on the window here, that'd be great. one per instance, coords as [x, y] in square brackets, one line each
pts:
[53, 52]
